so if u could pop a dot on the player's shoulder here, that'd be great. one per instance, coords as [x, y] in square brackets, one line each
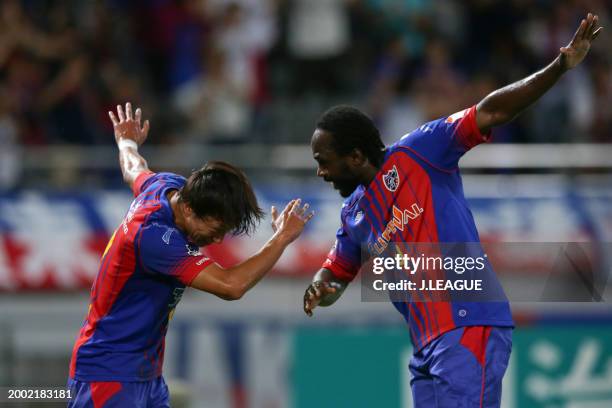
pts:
[441, 125]
[159, 237]
[163, 179]
[413, 137]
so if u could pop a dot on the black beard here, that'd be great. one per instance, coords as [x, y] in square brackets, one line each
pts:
[346, 189]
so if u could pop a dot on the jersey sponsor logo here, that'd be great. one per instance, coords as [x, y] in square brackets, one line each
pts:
[456, 116]
[391, 179]
[193, 250]
[201, 261]
[399, 220]
[130, 215]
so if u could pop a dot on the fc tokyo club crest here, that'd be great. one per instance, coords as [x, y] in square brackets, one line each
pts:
[391, 179]
[193, 250]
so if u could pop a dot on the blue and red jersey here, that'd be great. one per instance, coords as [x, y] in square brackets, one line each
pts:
[417, 197]
[143, 272]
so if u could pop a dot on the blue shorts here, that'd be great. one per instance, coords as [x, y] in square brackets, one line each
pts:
[462, 368]
[111, 394]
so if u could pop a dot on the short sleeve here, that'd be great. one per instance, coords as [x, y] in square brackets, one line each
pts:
[344, 258]
[142, 180]
[444, 141]
[163, 250]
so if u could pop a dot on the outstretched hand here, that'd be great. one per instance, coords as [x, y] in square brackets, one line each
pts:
[573, 53]
[128, 126]
[292, 220]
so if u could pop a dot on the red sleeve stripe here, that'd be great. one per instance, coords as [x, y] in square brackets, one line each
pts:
[140, 180]
[187, 270]
[468, 132]
[339, 270]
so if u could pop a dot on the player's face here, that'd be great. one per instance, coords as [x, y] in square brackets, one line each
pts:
[204, 231]
[333, 168]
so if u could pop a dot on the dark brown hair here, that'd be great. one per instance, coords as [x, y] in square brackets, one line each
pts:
[222, 191]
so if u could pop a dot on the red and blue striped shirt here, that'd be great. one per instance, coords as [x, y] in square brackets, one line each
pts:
[420, 177]
[141, 278]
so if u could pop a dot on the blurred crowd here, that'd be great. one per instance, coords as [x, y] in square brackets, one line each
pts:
[232, 71]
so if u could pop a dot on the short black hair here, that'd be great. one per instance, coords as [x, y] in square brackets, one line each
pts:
[222, 191]
[352, 129]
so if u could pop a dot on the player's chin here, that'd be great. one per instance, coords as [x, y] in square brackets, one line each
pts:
[345, 190]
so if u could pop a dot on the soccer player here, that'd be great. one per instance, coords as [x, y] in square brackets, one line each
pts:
[461, 349]
[150, 259]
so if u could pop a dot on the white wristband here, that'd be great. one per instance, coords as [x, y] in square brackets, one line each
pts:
[123, 143]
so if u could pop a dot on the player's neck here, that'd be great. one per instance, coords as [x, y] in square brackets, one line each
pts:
[177, 214]
[368, 175]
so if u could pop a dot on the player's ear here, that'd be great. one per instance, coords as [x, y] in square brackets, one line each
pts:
[187, 210]
[358, 159]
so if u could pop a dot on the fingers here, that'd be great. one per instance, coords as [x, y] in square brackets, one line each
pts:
[128, 111]
[127, 116]
[145, 128]
[302, 211]
[120, 113]
[307, 308]
[314, 293]
[288, 207]
[592, 26]
[274, 214]
[113, 118]
[591, 31]
[579, 31]
[309, 304]
[596, 33]
[296, 205]
[587, 25]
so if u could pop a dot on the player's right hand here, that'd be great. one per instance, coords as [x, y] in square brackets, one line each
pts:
[128, 126]
[315, 292]
[574, 52]
[291, 222]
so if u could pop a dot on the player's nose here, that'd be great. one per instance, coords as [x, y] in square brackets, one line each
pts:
[321, 173]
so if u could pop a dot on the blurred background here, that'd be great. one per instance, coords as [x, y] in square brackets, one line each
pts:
[244, 81]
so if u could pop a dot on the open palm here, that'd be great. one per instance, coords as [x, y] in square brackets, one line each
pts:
[573, 53]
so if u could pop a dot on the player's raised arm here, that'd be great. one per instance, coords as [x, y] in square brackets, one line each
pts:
[129, 134]
[232, 283]
[503, 105]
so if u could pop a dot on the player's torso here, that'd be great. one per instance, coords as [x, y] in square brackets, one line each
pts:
[123, 335]
[408, 202]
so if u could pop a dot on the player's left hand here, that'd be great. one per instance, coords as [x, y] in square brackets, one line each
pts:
[128, 126]
[573, 53]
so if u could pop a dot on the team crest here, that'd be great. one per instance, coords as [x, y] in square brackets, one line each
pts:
[193, 250]
[391, 179]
